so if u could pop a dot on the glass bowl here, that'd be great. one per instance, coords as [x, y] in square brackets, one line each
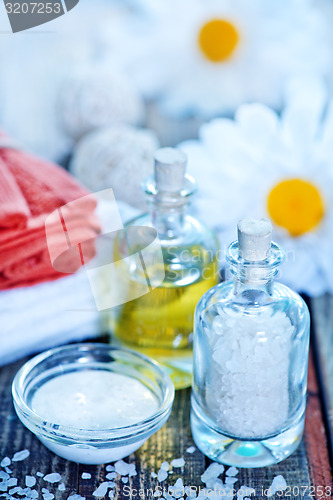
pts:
[96, 445]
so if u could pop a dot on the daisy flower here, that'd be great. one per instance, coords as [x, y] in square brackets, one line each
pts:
[209, 56]
[265, 165]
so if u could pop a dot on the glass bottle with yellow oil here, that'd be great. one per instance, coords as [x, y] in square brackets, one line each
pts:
[167, 260]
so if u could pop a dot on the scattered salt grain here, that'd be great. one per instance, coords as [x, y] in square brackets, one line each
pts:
[5, 462]
[86, 475]
[101, 490]
[110, 475]
[177, 490]
[8, 470]
[4, 475]
[245, 491]
[278, 484]
[12, 482]
[15, 490]
[167, 496]
[39, 474]
[47, 495]
[30, 481]
[61, 487]
[212, 473]
[191, 449]
[232, 471]
[162, 475]
[124, 480]
[111, 494]
[110, 468]
[125, 469]
[112, 484]
[53, 478]
[231, 480]
[153, 474]
[157, 493]
[76, 497]
[33, 494]
[165, 466]
[21, 455]
[178, 462]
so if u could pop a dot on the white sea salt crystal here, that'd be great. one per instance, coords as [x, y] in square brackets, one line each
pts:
[125, 469]
[218, 483]
[124, 479]
[231, 480]
[5, 462]
[157, 493]
[20, 455]
[191, 449]
[278, 484]
[33, 494]
[177, 490]
[39, 474]
[245, 491]
[30, 481]
[54, 477]
[14, 490]
[4, 475]
[101, 490]
[12, 482]
[165, 466]
[8, 470]
[111, 494]
[47, 495]
[110, 468]
[248, 390]
[86, 475]
[153, 474]
[162, 475]
[112, 484]
[232, 471]
[110, 475]
[61, 487]
[212, 473]
[178, 462]
[76, 497]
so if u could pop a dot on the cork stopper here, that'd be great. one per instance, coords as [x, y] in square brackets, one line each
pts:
[254, 239]
[170, 168]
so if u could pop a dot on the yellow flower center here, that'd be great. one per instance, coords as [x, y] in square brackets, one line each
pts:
[296, 205]
[218, 39]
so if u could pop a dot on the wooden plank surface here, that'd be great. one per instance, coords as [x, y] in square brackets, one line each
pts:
[322, 318]
[307, 471]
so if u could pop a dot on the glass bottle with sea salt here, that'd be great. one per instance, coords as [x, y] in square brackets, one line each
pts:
[251, 342]
[159, 322]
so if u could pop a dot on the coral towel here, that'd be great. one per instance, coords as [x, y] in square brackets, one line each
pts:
[30, 189]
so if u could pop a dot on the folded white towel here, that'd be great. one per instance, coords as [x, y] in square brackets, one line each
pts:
[45, 315]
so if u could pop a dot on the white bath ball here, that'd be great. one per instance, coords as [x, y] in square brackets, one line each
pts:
[117, 157]
[92, 99]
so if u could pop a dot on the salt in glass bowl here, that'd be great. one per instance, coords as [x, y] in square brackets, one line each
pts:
[97, 445]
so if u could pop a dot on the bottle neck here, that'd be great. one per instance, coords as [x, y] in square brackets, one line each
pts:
[168, 209]
[256, 276]
[168, 220]
[253, 278]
